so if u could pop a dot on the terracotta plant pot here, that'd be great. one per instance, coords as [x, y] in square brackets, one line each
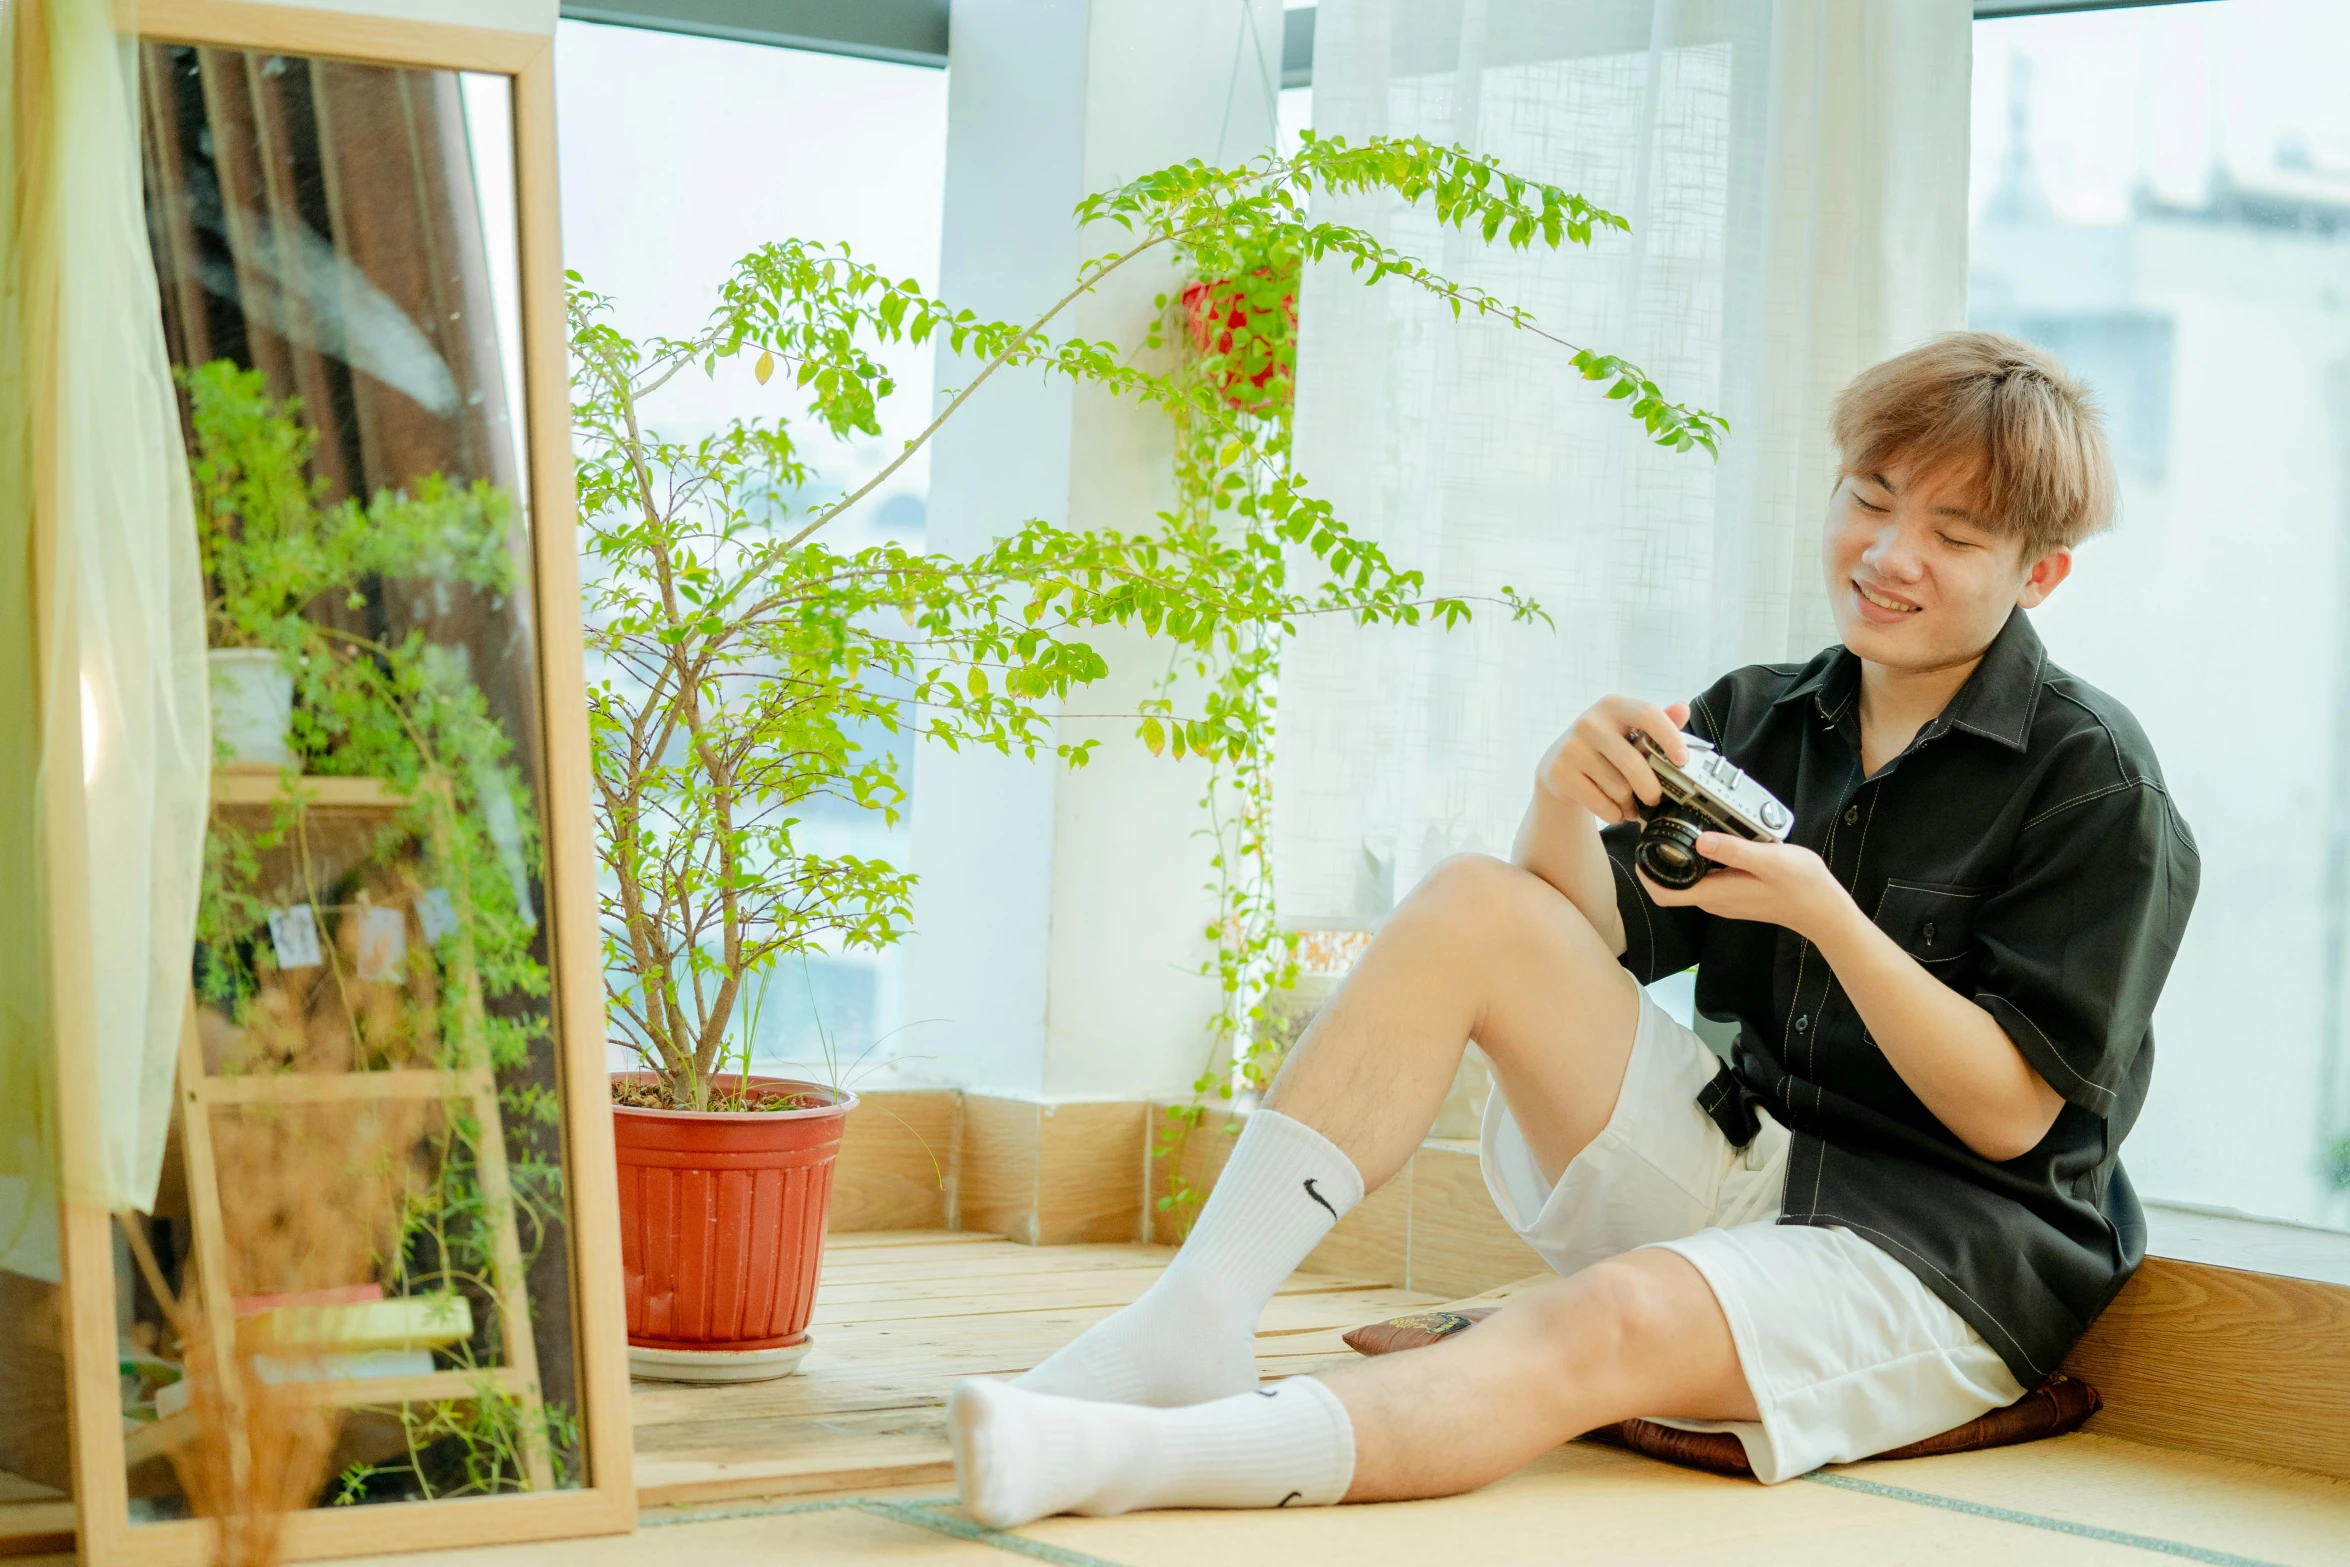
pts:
[722, 1218]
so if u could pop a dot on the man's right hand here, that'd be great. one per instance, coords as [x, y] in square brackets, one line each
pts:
[1593, 764]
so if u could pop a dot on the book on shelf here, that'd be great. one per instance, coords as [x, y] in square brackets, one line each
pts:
[355, 1326]
[366, 1366]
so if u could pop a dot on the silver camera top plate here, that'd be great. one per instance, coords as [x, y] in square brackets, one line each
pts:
[1713, 785]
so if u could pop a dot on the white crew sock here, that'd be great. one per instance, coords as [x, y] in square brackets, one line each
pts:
[1021, 1456]
[1192, 1336]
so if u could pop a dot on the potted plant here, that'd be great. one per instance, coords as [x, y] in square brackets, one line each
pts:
[743, 665]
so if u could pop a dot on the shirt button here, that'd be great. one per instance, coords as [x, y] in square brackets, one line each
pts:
[1929, 933]
[1852, 816]
[1803, 1023]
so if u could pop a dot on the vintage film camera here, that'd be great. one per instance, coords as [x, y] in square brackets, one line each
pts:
[1709, 795]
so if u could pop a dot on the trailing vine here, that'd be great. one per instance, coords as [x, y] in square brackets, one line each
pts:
[1234, 324]
[1235, 340]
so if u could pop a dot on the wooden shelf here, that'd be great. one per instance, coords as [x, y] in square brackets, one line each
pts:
[251, 787]
[28, 1528]
[474, 1085]
[438, 1387]
[335, 1087]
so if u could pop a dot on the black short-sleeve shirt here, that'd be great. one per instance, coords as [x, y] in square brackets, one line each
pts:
[2023, 849]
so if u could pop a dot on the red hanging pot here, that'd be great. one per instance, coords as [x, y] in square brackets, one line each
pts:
[1213, 313]
[722, 1217]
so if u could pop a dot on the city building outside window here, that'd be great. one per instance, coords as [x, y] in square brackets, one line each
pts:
[2162, 197]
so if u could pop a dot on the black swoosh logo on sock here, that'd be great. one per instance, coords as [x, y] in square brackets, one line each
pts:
[1291, 1497]
[1318, 1197]
[1266, 1392]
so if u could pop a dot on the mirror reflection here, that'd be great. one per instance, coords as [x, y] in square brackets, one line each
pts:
[357, 1272]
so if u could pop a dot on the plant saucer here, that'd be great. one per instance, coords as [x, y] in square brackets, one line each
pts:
[716, 1365]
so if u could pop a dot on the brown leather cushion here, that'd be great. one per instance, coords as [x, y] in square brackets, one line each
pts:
[2056, 1406]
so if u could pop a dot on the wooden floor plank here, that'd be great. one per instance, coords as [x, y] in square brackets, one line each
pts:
[953, 1249]
[991, 1261]
[1285, 1313]
[895, 1447]
[839, 1293]
[876, 1240]
[1106, 1289]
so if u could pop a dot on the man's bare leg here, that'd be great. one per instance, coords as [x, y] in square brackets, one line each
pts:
[1480, 949]
[1485, 951]
[1638, 1334]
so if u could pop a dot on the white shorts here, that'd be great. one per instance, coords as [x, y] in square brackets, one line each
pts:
[1846, 1353]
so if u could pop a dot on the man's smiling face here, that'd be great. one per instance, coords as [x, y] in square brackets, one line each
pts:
[1918, 580]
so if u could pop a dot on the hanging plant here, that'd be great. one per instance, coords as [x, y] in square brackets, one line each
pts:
[1242, 328]
[1236, 333]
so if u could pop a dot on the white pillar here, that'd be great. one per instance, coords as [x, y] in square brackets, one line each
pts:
[1061, 915]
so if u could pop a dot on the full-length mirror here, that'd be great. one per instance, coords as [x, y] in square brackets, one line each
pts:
[360, 1261]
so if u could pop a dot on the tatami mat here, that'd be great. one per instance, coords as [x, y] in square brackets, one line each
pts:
[2078, 1500]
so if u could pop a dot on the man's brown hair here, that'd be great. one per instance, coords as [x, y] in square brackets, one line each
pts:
[2032, 433]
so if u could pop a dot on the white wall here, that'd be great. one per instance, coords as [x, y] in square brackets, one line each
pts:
[1061, 915]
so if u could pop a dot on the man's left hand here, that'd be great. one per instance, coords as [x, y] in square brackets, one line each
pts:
[1775, 883]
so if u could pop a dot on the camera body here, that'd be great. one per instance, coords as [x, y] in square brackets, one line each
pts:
[1709, 795]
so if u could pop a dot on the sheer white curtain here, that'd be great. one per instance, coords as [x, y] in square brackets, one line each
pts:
[101, 593]
[1795, 174]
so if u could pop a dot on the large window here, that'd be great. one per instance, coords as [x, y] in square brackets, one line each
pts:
[2162, 197]
[680, 155]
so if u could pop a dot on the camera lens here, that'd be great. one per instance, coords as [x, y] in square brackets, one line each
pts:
[1668, 850]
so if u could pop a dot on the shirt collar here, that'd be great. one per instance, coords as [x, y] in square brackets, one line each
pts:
[1997, 701]
[1833, 679]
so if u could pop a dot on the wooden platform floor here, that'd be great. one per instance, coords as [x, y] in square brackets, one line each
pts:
[899, 1316]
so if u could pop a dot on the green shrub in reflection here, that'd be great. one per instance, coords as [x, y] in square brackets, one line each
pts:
[738, 652]
[449, 859]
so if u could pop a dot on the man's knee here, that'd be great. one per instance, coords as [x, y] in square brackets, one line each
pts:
[1613, 1313]
[1466, 879]
[1486, 890]
[1501, 910]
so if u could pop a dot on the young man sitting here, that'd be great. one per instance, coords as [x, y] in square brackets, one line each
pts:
[1898, 1203]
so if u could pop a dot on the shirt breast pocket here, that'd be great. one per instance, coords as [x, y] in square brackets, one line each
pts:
[1934, 925]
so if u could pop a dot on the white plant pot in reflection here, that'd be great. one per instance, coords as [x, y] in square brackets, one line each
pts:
[252, 705]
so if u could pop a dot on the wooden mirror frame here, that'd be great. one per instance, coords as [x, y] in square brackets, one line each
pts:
[606, 1502]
